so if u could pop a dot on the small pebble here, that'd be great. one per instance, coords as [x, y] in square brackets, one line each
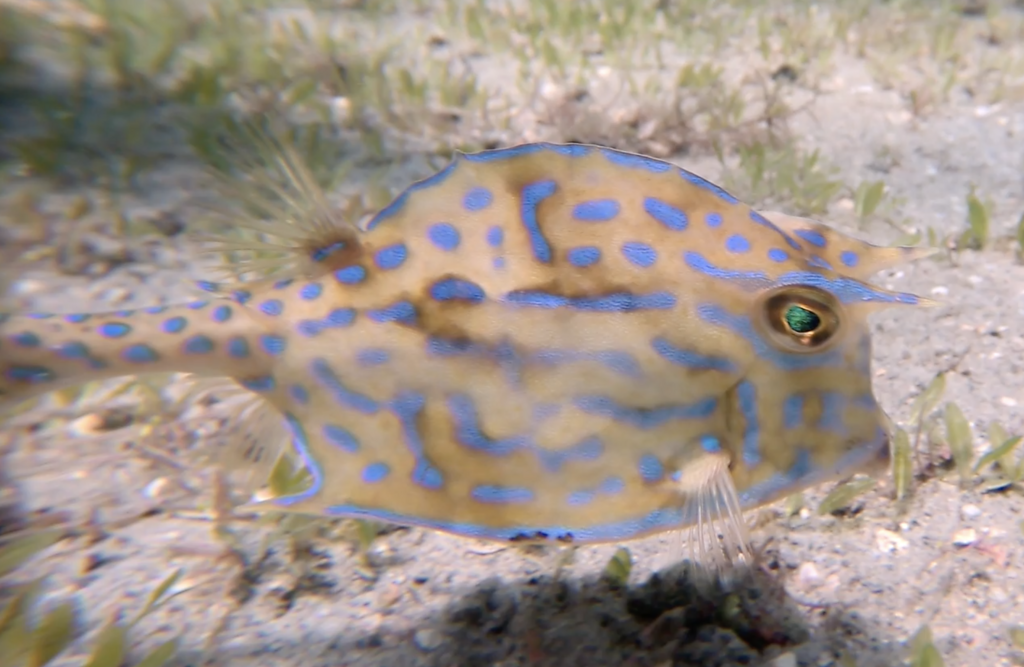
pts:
[965, 537]
[890, 542]
[784, 660]
[809, 576]
[427, 639]
[970, 512]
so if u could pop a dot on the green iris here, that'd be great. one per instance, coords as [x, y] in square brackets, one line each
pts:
[801, 320]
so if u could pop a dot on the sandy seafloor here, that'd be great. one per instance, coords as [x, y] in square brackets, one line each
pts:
[835, 590]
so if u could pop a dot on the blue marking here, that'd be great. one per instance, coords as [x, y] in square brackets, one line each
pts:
[174, 325]
[341, 394]
[340, 318]
[373, 356]
[272, 307]
[709, 186]
[206, 285]
[73, 350]
[651, 469]
[620, 362]
[40, 316]
[779, 483]
[713, 219]
[639, 254]
[399, 202]
[849, 258]
[391, 257]
[468, 433]
[300, 443]
[197, 305]
[746, 392]
[793, 411]
[611, 486]
[587, 449]
[259, 383]
[644, 418]
[501, 154]
[811, 236]
[759, 219]
[532, 196]
[341, 438]
[31, 374]
[737, 244]
[77, 318]
[310, 328]
[350, 275]
[272, 344]
[320, 254]
[375, 472]
[710, 443]
[493, 494]
[777, 255]
[597, 210]
[241, 296]
[114, 330]
[833, 404]
[498, 263]
[26, 339]
[456, 289]
[583, 256]
[407, 406]
[124, 313]
[621, 302]
[698, 262]
[583, 497]
[403, 312]
[139, 353]
[284, 282]
[450, 347]
[667, 214]
[633, 161]
[155, 310]
[299, 393]
[221, 314]
[238, 347]
[495, 236]
[445, 236]
[311, 291]
[690, 359]
[198, 345]
[477, 199]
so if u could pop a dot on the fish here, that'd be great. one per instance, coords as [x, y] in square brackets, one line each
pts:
[545, 343]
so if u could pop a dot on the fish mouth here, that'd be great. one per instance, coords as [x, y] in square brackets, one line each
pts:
[871, 457]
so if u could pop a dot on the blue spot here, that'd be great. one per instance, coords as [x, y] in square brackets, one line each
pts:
[444, 236]
[456, 289]
[498, 263]
[493, 494]
[197, 305]
[272, 307]
[666, 214]
[639, 254]
[651, 469]
[76, 318]
[374, 356]
[468, 432]
[350, 275]
[341, 394]
[621, 302]
[241, 296]
[713, 219]
[198, 345]
[583, 256]
[620, 362]
[746, 392]
[707, 185]
[793, 411]
[238, 347]
[206, 285]
[32, 374]
[833, 403]
[124, 313]
[311, 291]
[340, 317]
[532, 196]
[221, 314]
[710, 443]
[114, 330]
[759, 219]
[737, 244]
[375, 472]
[644, 418]
[156, 310]
[320, 254]
[284, 282]
[391, 257]
[40, 316]
[501, 154]
[341, 438]
[584, 497]
[174, 325]
[401, 311]
[588, 449]
[445, 347]
[849, 258]
[597, 210]
[272, 344]
[139, 354]
[635, 161]
[407, 406]
[477, 199]
[690, 359]
[73, 350]
[611, 486]
[26, 339]
[260, 383]
[811, 236]
[777, 255]
[495, 236]
[299, 393]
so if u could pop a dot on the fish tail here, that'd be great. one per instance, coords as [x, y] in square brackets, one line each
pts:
[41, 352]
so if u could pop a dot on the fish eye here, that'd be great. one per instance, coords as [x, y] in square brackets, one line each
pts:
[800, 319]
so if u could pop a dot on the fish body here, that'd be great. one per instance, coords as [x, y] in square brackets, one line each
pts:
[548, 342]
